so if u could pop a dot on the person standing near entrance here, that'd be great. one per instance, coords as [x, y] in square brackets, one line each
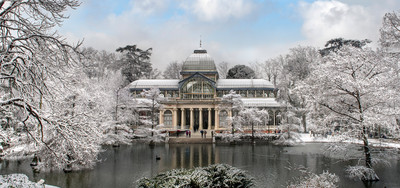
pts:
[205, 134]
[201, 132]
[190, 133]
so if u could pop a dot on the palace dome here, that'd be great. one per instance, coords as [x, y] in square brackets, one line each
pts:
[199, 61]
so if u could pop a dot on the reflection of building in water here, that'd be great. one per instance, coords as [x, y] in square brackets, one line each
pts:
[193, 101]
[192, 155]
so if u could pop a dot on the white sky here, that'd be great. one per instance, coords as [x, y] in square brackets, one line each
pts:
[235, 31]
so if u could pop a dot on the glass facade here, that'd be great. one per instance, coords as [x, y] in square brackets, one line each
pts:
[193, 101]
[197, 88]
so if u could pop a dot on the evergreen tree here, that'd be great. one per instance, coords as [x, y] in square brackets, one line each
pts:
[135, 63]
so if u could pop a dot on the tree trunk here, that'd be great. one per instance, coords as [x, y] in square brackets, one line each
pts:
[288, 131]
[116, 107]
[152, 118]
[367, 151]
[252, 132]
[303, 120]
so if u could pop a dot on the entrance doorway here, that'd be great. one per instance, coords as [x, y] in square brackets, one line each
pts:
[205, 118]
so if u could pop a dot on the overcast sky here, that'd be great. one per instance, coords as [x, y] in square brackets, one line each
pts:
[235, 31]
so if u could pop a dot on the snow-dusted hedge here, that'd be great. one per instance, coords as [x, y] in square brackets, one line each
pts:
[20, 181]
[217, 175]
[244, 137]
[311, 180]
[286, 140]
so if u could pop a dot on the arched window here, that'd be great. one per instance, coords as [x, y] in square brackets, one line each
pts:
[243, 93]
[223, 118]
[168, 118]
[197, 88]
[278, 117]
[251, 93]
[259, 93]
[272, 95]
[271, 117]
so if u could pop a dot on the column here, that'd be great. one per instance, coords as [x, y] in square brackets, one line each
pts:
[274, 117]
[191, 119]
[216, 118]
[161, 121]
[182, 118]
[209, 118]
[174, 118]
[200, 119]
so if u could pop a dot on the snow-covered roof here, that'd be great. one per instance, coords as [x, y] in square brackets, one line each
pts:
[199, 61]
[243, 83]
[157, 83]
[173, 84]
[260, 102]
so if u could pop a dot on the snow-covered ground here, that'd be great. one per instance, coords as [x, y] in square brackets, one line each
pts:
[308, 138]
[21, 181]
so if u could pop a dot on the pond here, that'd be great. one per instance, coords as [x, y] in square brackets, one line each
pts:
[268, 164]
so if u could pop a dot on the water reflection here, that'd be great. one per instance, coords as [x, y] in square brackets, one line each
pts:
[122, 167]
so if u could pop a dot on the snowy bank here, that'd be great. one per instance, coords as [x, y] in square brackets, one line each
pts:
[308, 138]
[244, 137]
[21, 181]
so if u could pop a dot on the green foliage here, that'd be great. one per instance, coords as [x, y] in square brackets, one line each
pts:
[334, 45]
[241, 72]
[135, 62]
[217, 175]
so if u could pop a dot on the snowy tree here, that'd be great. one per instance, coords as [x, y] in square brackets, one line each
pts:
[354, 91]
[390, 32]
[118, 103]
[259, 73]
[240, 72]
[223, 69]
[296, 67]
[38, 74]
[153, 102]
[31, 53]
[98, 64]
[173, 70]
[252, 117]
[135, 62]
[272, 69]
[232, 102]
[334, 45]
[154, 74]
[289, 128]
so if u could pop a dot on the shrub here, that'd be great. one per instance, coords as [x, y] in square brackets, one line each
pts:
[217, 175]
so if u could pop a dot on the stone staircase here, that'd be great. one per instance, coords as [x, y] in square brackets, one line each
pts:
[194, 139]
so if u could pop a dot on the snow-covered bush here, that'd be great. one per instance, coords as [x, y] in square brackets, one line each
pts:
[311, 180]
[19, 180]
[116, 133]
[158, 134]
[289, 130]
[217, 175]
[362, 173]
[285, 140]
